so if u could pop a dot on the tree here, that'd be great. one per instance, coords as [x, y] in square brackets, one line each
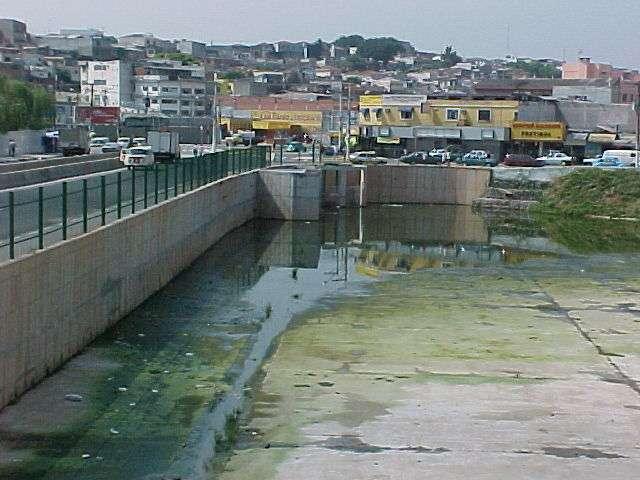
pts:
[184, 58]
[450, 57]
[350, 41]
[539, 69]
[380, 49]
[23, 105]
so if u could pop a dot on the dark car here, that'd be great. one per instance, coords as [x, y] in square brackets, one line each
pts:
[522, 160]
[420, 158]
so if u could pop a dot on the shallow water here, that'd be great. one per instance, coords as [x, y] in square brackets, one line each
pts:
[375, 306]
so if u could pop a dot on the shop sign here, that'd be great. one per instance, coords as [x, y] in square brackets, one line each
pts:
[538, 132]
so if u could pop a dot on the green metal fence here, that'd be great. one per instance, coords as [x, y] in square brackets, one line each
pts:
[32, 218]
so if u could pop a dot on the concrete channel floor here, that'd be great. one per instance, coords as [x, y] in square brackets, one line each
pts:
[525, 372]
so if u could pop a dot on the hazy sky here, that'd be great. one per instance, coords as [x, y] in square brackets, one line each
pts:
[604, 30]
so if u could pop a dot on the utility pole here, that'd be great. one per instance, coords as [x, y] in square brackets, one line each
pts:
[348, 134]
[636, 107]
[214, 123]
[340, 121]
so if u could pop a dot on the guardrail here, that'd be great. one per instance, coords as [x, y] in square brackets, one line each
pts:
[33, 218]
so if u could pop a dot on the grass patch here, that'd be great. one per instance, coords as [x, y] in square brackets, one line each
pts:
[614, 193]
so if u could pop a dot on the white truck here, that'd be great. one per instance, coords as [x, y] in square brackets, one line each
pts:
[164, 145]
[73, 141]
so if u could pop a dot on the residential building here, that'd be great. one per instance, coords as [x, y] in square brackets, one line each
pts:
[171, 89]
[106, 84]
[414, 122]
[148, 43]
[13, 33]
[189, 47]
[247, 87]
[85, 44]
[274, 80]
[584, 68]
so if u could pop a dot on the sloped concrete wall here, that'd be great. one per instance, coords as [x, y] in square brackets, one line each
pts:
[54, 302]
[423, 184]
[289, 194]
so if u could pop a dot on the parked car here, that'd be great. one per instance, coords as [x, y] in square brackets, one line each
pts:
[295, 147]
[522, 160]
[96, 144]
[479, 153]
[329, 150]
[609, 162]
[628, 157]
[420, 158]
[359, 158]
[557, 158]
[139, 142]
[137, 157]
[111, 147]
[124, 142]
[438, 153]
[473, 158]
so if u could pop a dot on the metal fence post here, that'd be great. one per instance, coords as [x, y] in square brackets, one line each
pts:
[313, 152]
[12, 226]
[133, 190]
[145, 187]
[40, 218]
[103, 200]
[191, 162]
[119, 194]
[155, 178]
[175, 179]
[85, 206]
[184, 175]
[166, 181]
[64, 210]
[281, 153]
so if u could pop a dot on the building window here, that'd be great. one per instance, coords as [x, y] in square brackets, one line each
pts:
[99, 82]
[155, 89]
[515, 116]
[453, 114]
[199, 91]
[406, 113]
[186, 91]
[154, 100]
[484, 115]
[166, 101]
[99, 67]
[145, 89]
[186, 103]
[186, 113]
[169, 112]
[624, 98]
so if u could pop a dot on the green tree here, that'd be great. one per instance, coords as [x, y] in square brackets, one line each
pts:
[184, 58]
[23, 105]
[539, 69]
[380, 49]
[350, 41]
[450, 57]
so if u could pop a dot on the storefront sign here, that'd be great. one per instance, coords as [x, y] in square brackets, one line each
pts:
[388, 140]
[538, 132]
[98, 115]
[302, 118]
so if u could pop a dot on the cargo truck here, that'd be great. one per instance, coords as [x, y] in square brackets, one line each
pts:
[73, 141]
[164, 145]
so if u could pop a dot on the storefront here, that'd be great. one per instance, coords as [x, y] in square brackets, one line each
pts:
[535, 138]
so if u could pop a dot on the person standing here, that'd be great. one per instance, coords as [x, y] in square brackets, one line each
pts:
[12, 147]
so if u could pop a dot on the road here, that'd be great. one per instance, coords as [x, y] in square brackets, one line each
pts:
[26, 202]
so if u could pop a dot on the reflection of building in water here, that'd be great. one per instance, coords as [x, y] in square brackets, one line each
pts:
[397, 257]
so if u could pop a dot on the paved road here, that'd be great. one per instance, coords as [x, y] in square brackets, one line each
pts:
[27, 203]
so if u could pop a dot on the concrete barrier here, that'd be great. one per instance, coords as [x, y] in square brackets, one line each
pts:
[55, 302]
[49, 174]
[289, 193]
[20, 166]
[424, 184]
[532, 175]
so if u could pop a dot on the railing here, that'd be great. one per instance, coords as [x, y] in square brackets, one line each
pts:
[35, 217]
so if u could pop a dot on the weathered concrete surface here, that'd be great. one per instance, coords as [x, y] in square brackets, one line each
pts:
[424, 184]
[54, 302]
[495, 373]
[289, 194]
[42, 174]
[531, 174]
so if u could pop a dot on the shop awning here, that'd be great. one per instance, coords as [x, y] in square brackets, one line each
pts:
[602, 138]
[576, 139]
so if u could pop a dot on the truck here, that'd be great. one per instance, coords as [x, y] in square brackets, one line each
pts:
[73, 141]
[164, 145]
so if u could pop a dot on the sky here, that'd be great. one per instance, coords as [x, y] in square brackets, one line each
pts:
[562, 29]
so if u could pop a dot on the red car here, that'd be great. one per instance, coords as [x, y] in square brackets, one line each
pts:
[521, 160]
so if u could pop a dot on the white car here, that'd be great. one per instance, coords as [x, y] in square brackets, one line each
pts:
[124, 142]
[139, 141]
[482, 154]
[366, 157]
[557, 158]
[96, 144]
[439, 153]
[137, 157]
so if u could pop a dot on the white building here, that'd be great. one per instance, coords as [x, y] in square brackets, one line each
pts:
[106, 84]
[181, 97]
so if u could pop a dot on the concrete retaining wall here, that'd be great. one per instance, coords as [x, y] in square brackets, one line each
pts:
[49, 174]
[425, 184]
[51, 162]
[289, 194]
[54, 302]
[531, 174]
[27, 141]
